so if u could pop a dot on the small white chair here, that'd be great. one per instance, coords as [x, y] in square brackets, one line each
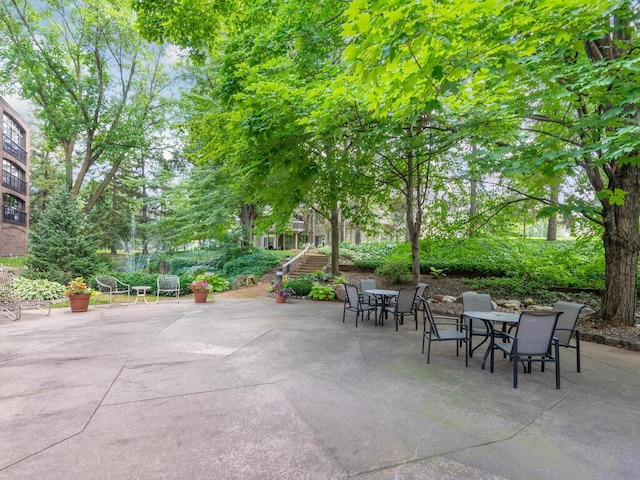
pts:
[168, 284]
[109, 285]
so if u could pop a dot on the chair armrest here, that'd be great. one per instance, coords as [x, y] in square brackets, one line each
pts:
[501, 334]
[456, 319]
[118, 282]
[458, 325]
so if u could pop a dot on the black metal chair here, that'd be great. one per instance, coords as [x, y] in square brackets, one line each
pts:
[566, 327]
[420, 292]
[478, 302]
[436, 334]
[532, 342]
[354, 303]
[368, 284]
[404, 306]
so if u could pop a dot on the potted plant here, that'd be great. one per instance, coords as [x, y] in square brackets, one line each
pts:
[79, 293]
[200, 288]
[280, 290]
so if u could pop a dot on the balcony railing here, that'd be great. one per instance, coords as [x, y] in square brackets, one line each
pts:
[14, 182]
[297, 226]
[13, 215]
[14, 149]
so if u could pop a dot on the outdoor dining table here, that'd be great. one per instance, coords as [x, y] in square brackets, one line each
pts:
[385, 297]
[490, 318]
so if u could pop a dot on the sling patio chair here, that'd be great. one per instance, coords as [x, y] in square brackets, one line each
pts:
[405, 305]
[532, 342]
[354, 303]
[566, 328]
[368, 284]
[445, 329]
[475, 302]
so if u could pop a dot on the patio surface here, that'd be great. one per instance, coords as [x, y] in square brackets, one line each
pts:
[251, 389]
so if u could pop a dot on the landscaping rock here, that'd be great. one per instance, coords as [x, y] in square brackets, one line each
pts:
[341, 292]
[511, 304]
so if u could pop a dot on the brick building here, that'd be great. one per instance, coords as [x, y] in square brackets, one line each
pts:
[14, 223]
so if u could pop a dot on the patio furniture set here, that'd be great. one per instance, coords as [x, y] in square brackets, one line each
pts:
[537, 338]
[111, 286]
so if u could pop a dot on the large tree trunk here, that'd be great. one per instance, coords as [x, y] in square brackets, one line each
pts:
[247, 217]
[552, 224]
[335, 241]
[621, 248]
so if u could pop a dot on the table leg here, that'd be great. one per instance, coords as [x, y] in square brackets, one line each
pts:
[490, 348]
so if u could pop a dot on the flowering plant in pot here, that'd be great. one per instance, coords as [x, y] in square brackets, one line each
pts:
[79, 293]
[200, 285]
[281, 291]
[78, 286]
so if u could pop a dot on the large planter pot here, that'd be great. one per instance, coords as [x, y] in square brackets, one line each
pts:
[79, 303]
[279, 297]
[200, 296]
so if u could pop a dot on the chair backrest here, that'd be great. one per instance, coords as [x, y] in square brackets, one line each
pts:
[405, 303]
[107, 283]
[420, 291]
[168, 282]
[535, 332]
[367, 284]
[567, 319]
[428, 316]
[352, 295]
[476, 302]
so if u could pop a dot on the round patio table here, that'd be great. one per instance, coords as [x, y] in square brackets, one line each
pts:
[490, 318]
[385, 297]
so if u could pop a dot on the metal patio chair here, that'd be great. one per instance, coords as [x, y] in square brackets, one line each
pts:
[532, 342]
[109, 285]
[443, 330]
[169, 284]
[355, 303]
[566, 327]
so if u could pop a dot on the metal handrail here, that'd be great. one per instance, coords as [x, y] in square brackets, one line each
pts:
[286, 268]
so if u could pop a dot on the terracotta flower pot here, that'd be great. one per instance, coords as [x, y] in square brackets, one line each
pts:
[200, 296]
[79, 303]
[279, 297]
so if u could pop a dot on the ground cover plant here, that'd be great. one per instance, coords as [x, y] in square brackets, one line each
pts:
[509, 265]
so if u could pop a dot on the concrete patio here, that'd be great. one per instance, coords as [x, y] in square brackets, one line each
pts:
[250, 389]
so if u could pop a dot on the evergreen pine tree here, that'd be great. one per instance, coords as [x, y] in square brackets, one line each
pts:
[62, 248]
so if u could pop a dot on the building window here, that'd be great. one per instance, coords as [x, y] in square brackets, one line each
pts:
[13, 210]
[13, 138]
[13, 176]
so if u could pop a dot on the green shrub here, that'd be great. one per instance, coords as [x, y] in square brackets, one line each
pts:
[310, 277]
[510, 287]
[322, 292]
[300, 286]
[26, 289]
[217, 283]
[395, 267]
[255, 262]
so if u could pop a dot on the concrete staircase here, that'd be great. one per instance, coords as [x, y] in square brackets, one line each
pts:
[314, 263]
